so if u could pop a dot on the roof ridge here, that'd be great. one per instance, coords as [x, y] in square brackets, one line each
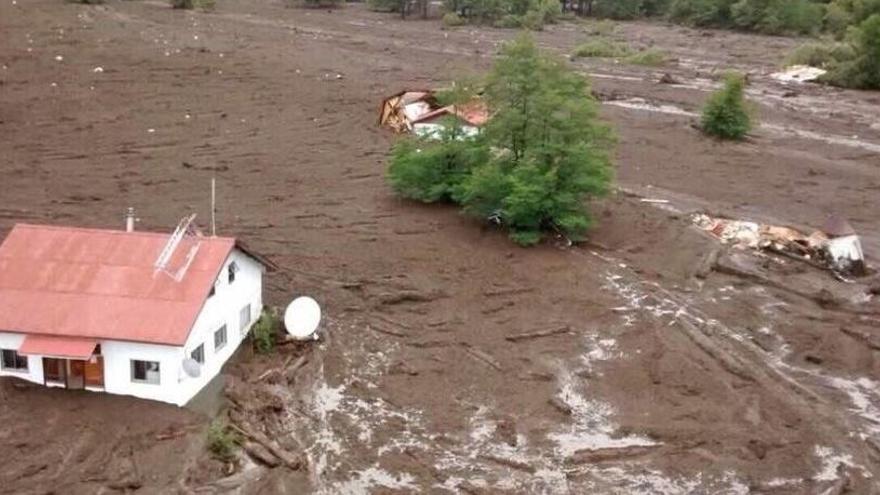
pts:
[140, 233]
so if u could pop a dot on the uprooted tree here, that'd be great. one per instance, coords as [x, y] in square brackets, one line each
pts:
[535, 164]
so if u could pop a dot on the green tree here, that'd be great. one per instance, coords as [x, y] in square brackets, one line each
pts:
[537, 161]
[862, 70]
[551, 152]
[725, 115]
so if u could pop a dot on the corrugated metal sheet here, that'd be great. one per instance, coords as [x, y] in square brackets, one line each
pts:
[76, 282]
[61, 347]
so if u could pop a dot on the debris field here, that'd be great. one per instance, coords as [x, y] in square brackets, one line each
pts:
[653, 358]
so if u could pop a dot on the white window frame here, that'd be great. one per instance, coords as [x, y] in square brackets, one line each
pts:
[16, 357]
[154, 379]
[242, 323]
[221, 331]
[200, 349]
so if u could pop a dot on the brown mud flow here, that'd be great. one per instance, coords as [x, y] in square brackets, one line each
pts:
[454, 362]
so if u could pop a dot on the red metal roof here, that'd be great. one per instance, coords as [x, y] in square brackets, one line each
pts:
[63, 347]
[474, 113]
[75, 282]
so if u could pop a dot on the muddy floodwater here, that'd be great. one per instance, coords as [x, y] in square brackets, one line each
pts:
[452, 361]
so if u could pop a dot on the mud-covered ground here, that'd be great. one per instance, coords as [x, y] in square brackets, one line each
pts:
[453, 361]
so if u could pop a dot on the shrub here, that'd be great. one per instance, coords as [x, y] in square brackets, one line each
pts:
[701, 12]
[384, 5]
[549, 11]
[619, 9]
[862, 69]
[605, 27]
[601, 48]
[509, 21]
[725, 115]
[433, 171]
[533, 20]
[314, 3]
[451, 19]
[221, 441]
[192, 4]
[777, 16]
[651, 57]
[820, 54]
[264, 332]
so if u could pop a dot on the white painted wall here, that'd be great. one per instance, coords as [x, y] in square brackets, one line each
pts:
[175, 385]
[9, 340]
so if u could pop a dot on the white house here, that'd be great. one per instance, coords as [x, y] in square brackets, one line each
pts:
[94, 309]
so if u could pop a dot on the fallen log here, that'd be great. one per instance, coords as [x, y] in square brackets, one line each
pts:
[290, 460]
[511, 463]
[539, 334]
[483, 356]
[385, 331]
[508, 291]
[870, 340]
[609, 454]
[260, 454]
[560, 406]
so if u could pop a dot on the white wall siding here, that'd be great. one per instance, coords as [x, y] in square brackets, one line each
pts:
[9, 340]
[117, 369]
[222, 308]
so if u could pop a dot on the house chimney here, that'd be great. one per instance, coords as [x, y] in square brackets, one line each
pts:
[129, 220]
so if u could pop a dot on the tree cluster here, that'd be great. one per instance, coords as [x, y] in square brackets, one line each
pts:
[537, 161]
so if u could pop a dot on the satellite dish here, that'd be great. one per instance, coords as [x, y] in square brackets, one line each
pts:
[301, 318]
[192, 367]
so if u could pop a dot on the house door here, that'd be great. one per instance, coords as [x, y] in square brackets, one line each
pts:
[76, 374]
[55, 371]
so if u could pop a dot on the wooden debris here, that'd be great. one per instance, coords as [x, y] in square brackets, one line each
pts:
[560, 406]
[289, 459]
[409, 296]
[260, 454]
[483, 356]
[591, 456]
[511, 463]
[386, 331]
[870, 340]
[508, 291]
[538, 334]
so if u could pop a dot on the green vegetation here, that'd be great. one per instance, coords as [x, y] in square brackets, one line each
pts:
[193, 4]
[852, 63]
[451, 19]
[221, 441]
[651, 57]
[601, 48]
[264, 331]
[530, 14]
[858, 65]
[537, 161]
[725, 115]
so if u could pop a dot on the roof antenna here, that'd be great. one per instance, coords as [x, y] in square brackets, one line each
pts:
[184, 230]
[213, 206]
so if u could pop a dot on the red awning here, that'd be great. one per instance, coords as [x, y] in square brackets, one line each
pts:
[63, 347]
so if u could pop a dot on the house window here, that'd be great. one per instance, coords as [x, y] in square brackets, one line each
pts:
[198, 354]
[244, 318]
[220, 338]
[213, 290]
[233, 269]
[13, 361]
[145, 371]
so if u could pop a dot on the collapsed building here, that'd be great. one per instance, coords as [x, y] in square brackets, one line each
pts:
[419, 112]
[836, 246]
